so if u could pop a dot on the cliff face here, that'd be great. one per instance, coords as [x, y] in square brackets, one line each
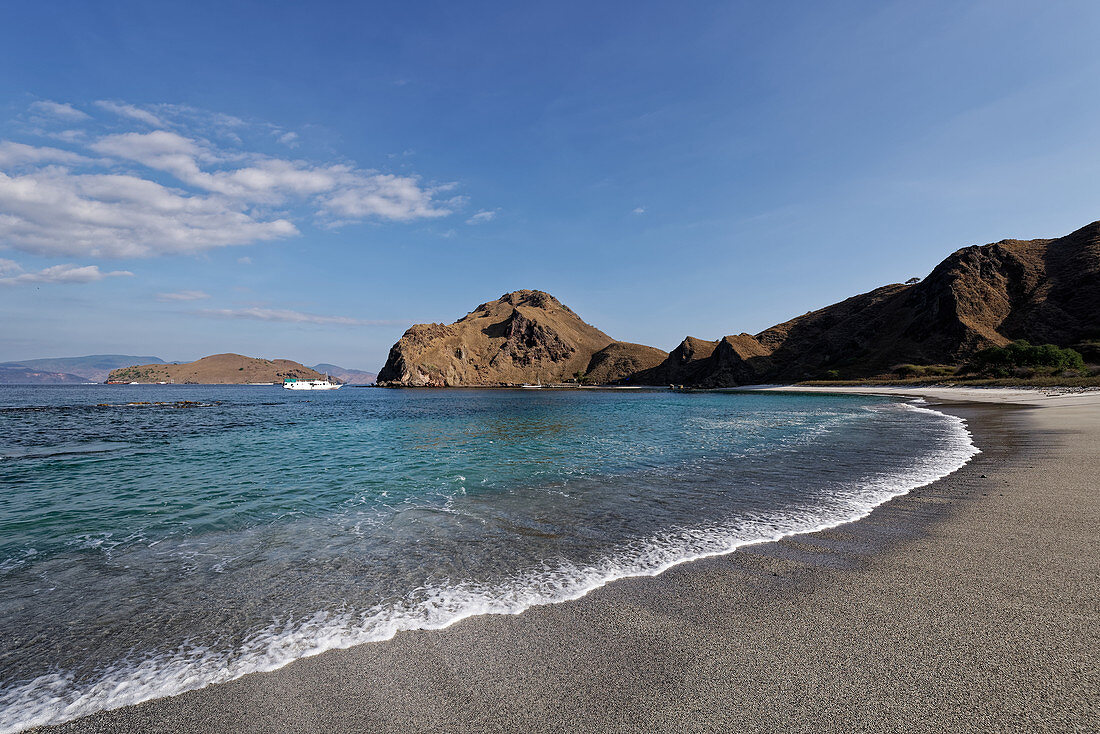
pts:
[1046, 291]
[522, 337]
[217, 369]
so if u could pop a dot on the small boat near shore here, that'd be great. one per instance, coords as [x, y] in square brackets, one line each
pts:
[293, 383]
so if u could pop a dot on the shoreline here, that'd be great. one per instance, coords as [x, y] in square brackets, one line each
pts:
[1024, 396]
[437, 679]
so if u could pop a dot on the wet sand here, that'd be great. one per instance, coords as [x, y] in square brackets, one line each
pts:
[971, 604]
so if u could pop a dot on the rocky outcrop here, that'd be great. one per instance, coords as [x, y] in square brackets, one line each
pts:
[522, 337]
[217, 369]
[1045, 291]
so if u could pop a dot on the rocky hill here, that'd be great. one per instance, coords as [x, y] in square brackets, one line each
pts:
[1045, 291]
[522, 337]
[218, 369]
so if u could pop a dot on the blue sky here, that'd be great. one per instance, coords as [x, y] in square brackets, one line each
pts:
[305, 180]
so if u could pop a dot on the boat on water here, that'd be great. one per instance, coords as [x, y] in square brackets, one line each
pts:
[293, 383]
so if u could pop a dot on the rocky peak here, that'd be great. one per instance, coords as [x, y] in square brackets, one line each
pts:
[533, 299]
[523, 336]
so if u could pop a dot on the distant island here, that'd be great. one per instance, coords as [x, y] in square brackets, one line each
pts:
[1014, 308]
[100, 367]
[68, 370]
[217, 369]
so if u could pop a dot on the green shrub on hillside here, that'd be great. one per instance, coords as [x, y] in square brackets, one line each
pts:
[1023, 356]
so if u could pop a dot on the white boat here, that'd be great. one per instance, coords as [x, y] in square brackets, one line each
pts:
[293, 383]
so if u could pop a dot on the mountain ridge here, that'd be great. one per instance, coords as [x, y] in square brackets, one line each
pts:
[13, 373]
[1042, 290]
[980, 296]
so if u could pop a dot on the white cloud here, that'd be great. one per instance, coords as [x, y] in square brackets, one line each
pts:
[68, 136]
[12, 274]
[246, 260]
[386, 196]
[112, 198]
[289, 317]
[345, 193]
[132, 112]
[639, 210]
[482, 216]
[54, 212]
[18, 154]
[290, 139]
[160, 149]
[183, 296]
[58, 109]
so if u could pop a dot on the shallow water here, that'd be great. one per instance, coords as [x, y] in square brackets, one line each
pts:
[147, 549]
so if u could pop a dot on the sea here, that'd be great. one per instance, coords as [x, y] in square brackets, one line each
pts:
[156, 539]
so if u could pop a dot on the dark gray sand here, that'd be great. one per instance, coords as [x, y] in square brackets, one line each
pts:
[971, 604]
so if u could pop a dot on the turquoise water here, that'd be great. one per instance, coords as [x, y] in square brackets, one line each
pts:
[147, 549]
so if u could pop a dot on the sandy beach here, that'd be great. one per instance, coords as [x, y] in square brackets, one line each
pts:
[971, 604]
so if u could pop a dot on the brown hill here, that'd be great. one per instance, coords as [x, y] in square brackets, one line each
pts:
[620, 361]
[522, 337]
[1045, 291]
[217, 369]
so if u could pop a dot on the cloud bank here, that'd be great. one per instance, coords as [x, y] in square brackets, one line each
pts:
[182, 183]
